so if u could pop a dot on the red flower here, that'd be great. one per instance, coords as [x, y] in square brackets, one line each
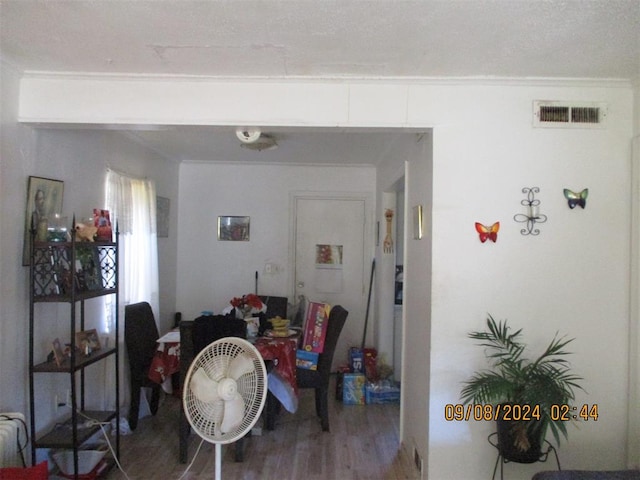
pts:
[247, 302]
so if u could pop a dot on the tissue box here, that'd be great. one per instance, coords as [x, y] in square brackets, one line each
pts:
[353, 389]
[307, 360]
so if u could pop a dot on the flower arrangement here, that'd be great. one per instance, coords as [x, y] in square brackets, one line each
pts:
[247, 305]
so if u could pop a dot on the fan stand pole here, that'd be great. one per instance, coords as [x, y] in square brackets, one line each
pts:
[218, 461]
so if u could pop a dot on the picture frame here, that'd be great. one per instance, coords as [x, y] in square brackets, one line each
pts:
[58, 352]
[234, 228]
[102, 221]
[44, 200]
[417, 222]
[87, 341]
[60, 261]
[87, 269]
[163, 205]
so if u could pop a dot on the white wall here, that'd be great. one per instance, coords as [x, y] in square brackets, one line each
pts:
[418, 340]
[573, 278]
[79, 158]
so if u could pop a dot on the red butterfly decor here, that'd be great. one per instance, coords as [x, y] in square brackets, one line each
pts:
[488, 232]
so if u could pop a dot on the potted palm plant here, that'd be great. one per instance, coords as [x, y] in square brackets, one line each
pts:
[527, 396]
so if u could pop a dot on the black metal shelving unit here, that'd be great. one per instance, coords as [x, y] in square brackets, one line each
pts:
[72, 273]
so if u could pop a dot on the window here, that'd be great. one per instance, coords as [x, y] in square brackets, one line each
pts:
[132, 203]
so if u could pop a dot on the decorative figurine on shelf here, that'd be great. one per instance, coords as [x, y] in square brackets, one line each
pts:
[85, 233]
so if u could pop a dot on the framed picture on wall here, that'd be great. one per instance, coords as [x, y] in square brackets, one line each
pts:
[44, 201]
[233, 228]
[162, 216]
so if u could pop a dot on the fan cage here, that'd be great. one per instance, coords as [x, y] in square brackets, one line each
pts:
[206, 418]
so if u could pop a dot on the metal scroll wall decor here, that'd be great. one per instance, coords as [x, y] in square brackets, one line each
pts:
[533, 215]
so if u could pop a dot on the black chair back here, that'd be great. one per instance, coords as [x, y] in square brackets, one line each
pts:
[337, 319]
[276, 306]
[319, 379]
[209, 328]
[140, 335]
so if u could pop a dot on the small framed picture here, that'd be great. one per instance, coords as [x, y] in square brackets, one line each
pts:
[417, 222]
[162, 216]
[88, 272]
[233, 228]
[87, 341]
[44, 201]
[58, 353]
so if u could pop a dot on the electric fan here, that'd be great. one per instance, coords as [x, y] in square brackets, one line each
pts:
[224, 392]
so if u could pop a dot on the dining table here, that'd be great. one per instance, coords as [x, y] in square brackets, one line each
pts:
[278, 352]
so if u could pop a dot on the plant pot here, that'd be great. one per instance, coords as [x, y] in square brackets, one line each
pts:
[520, 441]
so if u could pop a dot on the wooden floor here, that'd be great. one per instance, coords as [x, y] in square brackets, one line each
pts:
[363, 444]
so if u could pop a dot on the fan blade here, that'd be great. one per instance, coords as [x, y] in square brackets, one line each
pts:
[241, 365]
[233, 414]
[204, 389]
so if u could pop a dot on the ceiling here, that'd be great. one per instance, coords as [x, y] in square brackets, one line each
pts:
[320, 39]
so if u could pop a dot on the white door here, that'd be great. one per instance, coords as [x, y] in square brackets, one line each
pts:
[330, 261]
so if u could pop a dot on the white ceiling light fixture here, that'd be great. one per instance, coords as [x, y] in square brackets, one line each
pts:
[248, 134]
[252, 138]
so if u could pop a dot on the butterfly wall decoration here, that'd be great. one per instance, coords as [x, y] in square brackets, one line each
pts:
[574, 198]
[485, 232]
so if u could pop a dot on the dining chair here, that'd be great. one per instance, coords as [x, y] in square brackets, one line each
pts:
[194, 336]
[276, 306]
[316, 379]
[140, 335]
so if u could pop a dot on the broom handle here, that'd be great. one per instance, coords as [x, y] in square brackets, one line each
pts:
[366, 318]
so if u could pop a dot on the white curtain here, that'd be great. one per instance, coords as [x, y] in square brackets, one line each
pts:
[132, 202]
[132, 205]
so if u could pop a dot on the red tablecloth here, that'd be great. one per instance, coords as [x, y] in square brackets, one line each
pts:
[282, 379]
[165, 363]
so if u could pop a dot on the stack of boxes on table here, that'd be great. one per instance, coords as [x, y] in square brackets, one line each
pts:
[357, 384]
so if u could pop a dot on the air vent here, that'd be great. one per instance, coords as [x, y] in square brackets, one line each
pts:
[569, 115]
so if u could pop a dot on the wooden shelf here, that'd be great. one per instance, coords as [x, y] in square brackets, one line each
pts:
[62, 434]
[81, 362]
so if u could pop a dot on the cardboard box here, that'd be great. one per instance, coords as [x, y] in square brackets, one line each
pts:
[353, 389]
[307, 360]
[315, 327]
[376, 393]
[356, 360]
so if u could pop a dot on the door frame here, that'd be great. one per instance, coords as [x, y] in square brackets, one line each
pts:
[368, 251]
